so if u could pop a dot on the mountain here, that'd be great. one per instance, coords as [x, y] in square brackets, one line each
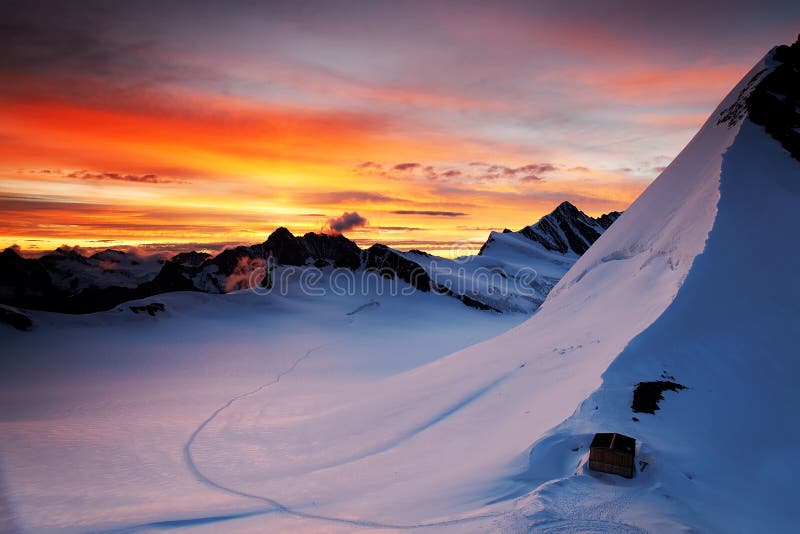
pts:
[515, 271]
[361, 411]
[686, 294]
[508, 275]
[23, 279]
[566, 230]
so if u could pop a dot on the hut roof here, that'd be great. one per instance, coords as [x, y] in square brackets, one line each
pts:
[613, 441]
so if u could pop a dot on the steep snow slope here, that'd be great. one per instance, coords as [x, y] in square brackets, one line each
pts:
[451, 440]
[487, 438]
[732, 342]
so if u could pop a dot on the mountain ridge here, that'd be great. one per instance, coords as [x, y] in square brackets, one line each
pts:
[65, 280]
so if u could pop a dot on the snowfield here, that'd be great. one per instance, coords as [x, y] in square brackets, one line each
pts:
[248, 413]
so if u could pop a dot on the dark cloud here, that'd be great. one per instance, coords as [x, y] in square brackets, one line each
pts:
[369, 165]
[432, 213]
[536, 168]
[346, 221]
[398, 228]
[406, 166]
[118, 177]
[525, 173]
[94, 38]
[32, 40]
[477, 171]
[149, 178]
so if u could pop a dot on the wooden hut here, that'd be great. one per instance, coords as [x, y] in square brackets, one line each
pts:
[613, 453]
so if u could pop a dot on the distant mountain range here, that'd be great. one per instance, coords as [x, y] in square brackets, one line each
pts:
[514, 271]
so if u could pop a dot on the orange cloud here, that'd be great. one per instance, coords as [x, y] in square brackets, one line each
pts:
[142, 168]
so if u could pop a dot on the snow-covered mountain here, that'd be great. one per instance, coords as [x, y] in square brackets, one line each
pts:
[346, 413]
[495, 436]
[513, 272]
[565, 230]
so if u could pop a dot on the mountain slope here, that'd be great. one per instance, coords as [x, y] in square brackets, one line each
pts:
[452, 439]
[730, 341]
[337, 423]
[515, 271]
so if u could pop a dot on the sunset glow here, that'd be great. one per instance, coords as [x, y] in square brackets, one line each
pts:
[435, 125]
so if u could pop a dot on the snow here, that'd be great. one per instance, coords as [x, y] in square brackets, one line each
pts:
[515, 275]
[515, 272]
[377, 412]
[71, 271]
[95, 411]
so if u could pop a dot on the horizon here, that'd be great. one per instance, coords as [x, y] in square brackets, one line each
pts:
[167, 250]
[346, 266]
[405, 127]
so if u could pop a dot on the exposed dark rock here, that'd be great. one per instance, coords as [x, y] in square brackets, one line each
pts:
[391, 264]
[465, 299]
[736, 111]
[775, 102]
[108, 255]
[647, 395]
[190, 259]
[606, 219]
[478, 305]
[63, 254]
[22, 279]
[151, 309]
[284, 248]
[772, 99]
[15, 319]
[489, 241]
[172, 277]
[337, 248]
[566, 229]
[579, 229]
[228, 260]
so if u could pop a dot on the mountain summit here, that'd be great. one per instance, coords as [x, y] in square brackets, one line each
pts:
[566, 230]
[67, 281]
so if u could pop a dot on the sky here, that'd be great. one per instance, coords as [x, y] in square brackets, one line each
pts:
[198, 125]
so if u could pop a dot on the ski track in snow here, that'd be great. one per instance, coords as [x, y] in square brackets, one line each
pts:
[275, 505]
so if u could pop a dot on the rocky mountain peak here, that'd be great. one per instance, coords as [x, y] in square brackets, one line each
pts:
[565, 230]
